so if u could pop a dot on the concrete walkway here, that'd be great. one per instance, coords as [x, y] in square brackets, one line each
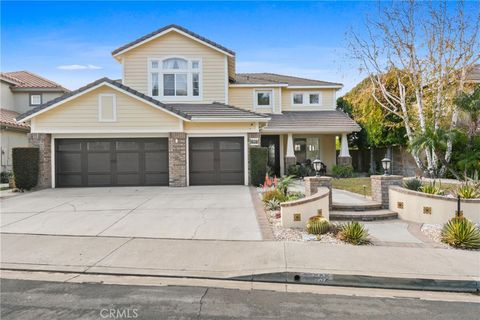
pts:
[226, 259]
[345, 197]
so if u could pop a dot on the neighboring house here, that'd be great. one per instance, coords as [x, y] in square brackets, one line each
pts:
[21, 91]
[182, 116]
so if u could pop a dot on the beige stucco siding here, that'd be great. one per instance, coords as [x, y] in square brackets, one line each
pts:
[215, 127]
[135, 64]
[81, 114]
[327, 99]
[6, 96]
[245, 98]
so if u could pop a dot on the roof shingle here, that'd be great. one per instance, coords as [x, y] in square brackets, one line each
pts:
[27, 79]
[273, 78]
[7, 118]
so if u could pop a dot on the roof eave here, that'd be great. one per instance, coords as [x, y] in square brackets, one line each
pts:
[336, 86]
[223, 119]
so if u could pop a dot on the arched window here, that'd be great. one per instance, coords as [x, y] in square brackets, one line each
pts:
[175, 77]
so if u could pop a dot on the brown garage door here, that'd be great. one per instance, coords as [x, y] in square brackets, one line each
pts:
[216, 161]
[111, 162]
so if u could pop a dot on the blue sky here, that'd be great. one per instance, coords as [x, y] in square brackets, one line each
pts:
[71, 42]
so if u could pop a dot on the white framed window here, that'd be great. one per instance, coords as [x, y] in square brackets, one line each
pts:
[107, 107]
[175, 78]
[263, 98]
[307, 98]
[35, 99]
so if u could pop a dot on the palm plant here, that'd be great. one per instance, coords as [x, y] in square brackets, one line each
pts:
[284, 183]
[434, 141]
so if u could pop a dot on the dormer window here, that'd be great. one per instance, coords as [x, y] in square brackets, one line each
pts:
[175, 78]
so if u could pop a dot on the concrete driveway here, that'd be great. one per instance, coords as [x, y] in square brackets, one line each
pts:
[207, 212]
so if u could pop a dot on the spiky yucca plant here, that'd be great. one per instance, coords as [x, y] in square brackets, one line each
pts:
[461, 233]
[468, 191]
[317, 225]
[412, 184]
[431, 188]
[273, 204]
[354, 233]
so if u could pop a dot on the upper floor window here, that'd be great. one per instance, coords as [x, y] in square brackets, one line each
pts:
[175, 78]
[263, 98]
[306, 98]
[35, 99]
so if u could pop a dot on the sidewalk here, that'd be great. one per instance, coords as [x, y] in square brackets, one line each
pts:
[231, 259]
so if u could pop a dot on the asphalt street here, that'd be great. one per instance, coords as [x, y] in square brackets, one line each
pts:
[22, 299]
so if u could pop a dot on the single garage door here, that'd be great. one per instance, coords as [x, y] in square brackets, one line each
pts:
[111, 162]
[216, 161]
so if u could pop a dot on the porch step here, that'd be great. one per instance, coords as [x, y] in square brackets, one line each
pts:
[356, 207]
[367, 215]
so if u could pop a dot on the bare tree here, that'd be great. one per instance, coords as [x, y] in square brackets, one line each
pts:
[430, 47]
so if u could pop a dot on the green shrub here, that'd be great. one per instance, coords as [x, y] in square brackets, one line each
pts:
[342, 171]
[294, 170]
[273, 204]
[258, 165]
[317, 225]
[5, 176]
[25, 167]
[431, 188]
[274, 194]
[354, 233]
[467, 191]
[291, 196]
[461, 233]
[284, 183]
[412, 184]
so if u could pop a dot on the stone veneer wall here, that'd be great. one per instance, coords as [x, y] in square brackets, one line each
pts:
[380, 186]
[43, 142]
[177, 159]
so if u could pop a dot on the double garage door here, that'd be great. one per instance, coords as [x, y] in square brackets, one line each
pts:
[144, 162]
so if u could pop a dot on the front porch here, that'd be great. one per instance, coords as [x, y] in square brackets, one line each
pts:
[287, 149]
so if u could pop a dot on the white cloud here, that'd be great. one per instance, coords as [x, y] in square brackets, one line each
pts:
[79, 67]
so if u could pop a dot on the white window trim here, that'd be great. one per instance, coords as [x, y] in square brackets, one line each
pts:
[100, 107]
[306, 99]
[189, 71]
[33, 95]
[255, 99]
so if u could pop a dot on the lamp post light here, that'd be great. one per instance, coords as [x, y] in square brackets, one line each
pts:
[386, 166]
[317, 166]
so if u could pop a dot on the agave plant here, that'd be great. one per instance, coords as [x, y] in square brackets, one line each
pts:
[273, 204]
[412, 184]
[354, 233]
[431, 188]
[461, 233]
[317, 225]
[468, 191]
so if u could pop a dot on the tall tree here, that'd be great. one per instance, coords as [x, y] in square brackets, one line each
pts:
[429, 48]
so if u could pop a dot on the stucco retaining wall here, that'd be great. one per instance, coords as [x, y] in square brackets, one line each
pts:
[306, 207]
[441, 210]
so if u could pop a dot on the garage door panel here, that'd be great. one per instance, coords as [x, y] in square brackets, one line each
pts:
[216, 160]
[99, 163]
[111, 162]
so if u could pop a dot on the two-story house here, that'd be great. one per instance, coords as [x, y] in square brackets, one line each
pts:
[181, 116]
[21, 91]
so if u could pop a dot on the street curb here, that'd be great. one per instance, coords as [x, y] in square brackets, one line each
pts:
[322, 279]
[328, 279]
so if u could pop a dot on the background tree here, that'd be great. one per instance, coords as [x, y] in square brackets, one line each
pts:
[428, 49]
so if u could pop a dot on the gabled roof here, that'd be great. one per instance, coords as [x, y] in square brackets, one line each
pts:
[7, 119]
[169, 28]
[333, 121]
[278, 79]
[30, 80]
[186, 112]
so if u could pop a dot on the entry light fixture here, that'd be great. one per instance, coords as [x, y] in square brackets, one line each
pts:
[386, 166]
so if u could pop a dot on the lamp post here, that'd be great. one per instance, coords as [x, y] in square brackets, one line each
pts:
[317, 166]
[386, 166]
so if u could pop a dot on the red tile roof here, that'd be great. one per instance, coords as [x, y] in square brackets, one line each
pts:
[7, 118]
[27, 79]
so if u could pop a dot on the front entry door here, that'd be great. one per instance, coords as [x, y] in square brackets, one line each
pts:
[272, 143]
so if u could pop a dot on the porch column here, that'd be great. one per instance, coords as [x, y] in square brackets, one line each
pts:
[344, 158]
[290, 154]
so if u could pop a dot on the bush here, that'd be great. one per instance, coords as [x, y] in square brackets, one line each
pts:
[342, 171]
[274, 194]
[317, 225]
[294, 170]
[25, 167]
[291, 196]
[412, 184]
[354, 233]
[5, 176]
[461, 233]
[258, 165]
[284, 183]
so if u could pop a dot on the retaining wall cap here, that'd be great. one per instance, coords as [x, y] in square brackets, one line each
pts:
[390, 177]
[322, 193]
[321, 178]
[433, 196]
